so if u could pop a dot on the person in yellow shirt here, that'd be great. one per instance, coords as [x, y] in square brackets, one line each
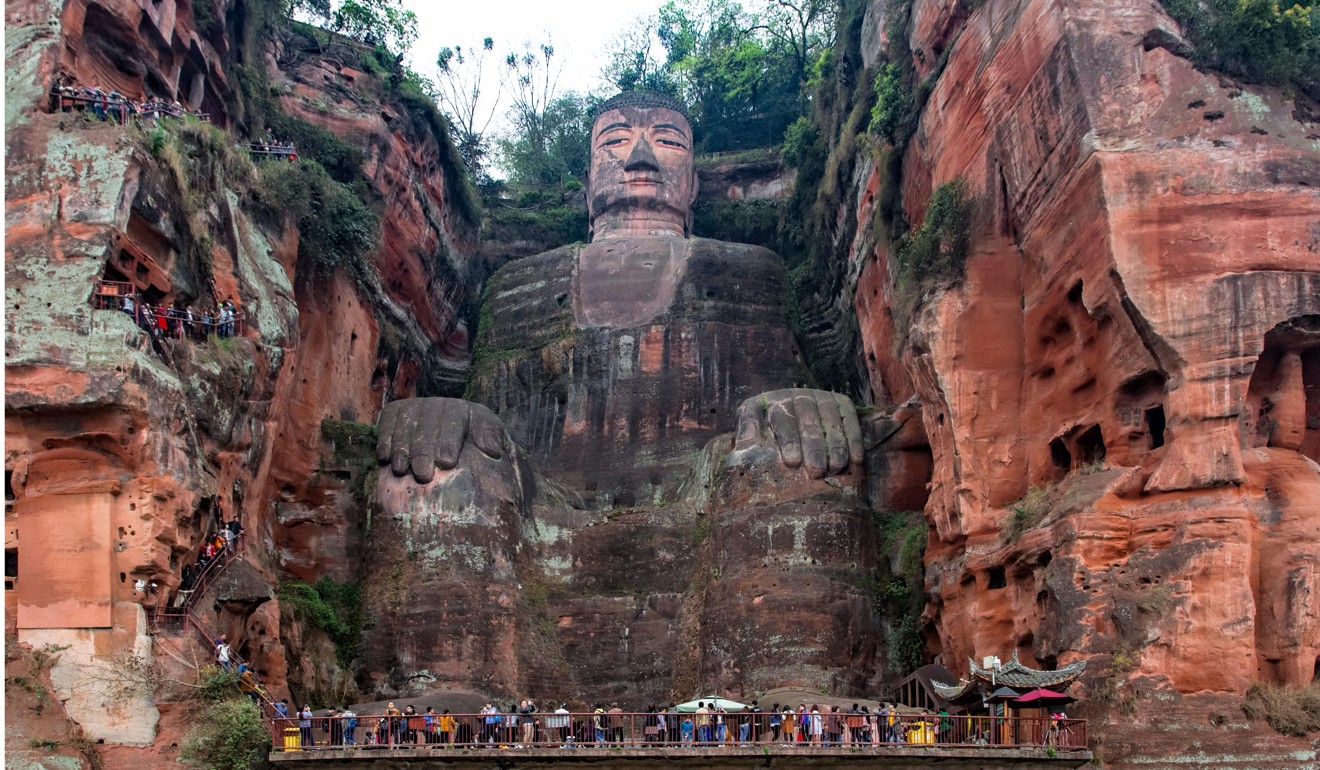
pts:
[446, 725]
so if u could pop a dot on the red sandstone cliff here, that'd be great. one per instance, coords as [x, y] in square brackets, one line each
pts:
[1143, 285]
[1138, 338]
[120, 457]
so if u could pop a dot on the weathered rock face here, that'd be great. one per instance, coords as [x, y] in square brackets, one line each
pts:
[120, 452]
[1135, 335]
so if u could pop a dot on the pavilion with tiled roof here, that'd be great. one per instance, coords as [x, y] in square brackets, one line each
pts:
[1012, 674]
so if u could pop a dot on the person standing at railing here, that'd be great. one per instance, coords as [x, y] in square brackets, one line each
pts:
[528, 722]
[776, 722]
[703, 722]
[489, 722]
[1057, 720]
[559, 725]
[833, 726]
[944, 728]
[336, 724]
[350, 726]
[416, 726]
[394, 723]
[429, 734]
[817, 726]
[890, 717]
[615, 726]
[748, 725]
[305, 727]
[650, 728]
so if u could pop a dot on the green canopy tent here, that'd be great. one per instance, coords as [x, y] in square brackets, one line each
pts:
[711, 702]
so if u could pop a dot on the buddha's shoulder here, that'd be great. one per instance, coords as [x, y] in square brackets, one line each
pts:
[552, 266]
[727, 250]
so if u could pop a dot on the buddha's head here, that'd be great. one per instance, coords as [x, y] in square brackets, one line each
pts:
[641, 181]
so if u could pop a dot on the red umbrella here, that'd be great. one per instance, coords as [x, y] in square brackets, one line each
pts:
[1042, 697]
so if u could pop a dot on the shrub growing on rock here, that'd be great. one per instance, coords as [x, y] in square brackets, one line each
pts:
[230, 736]
[1290, 709]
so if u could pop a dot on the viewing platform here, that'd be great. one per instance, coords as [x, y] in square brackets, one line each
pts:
[743, 739]
[754, 755]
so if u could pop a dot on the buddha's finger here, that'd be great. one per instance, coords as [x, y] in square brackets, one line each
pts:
[810, 433]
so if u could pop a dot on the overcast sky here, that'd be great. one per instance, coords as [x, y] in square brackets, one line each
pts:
[580, 30]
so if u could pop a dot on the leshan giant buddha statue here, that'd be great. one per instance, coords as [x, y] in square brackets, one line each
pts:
[602, 371]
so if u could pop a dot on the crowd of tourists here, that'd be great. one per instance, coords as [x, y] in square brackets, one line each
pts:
[225, 320]
[112, 105]
[269, 147]
[213, 550]
[524, 726]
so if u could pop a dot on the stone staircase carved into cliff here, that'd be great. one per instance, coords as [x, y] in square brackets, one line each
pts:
[182, 621]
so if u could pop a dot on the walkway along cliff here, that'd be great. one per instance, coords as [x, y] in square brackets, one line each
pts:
[1075, 291]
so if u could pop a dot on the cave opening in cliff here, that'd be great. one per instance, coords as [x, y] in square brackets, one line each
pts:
[1283, 394]
[1075, 293]
[11, 568]
[10, 495]
[1060, 457]
[997, 578]
[114, 274]
[1091, 445]
[1155, 424]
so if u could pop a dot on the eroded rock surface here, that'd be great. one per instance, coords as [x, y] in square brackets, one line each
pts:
[1132, 342]
[121, 453]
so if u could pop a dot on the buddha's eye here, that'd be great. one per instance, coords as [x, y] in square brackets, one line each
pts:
[612, 142]
[670, 143]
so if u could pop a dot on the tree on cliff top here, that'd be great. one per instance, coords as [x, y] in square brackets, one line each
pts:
[372, 22]
[463, 95]
[742, 71]
[1260, 40]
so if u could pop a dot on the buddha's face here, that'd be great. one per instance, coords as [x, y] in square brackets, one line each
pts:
[641, 175]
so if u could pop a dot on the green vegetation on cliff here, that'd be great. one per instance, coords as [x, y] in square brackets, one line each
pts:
[337, 228]
[897, 588]
[1290, 709]
[1263, 41]
[202, 164]
[229, 733]
[335, 608]
[349, 440]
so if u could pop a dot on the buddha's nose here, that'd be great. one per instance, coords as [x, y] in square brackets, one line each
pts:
[642, 158]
